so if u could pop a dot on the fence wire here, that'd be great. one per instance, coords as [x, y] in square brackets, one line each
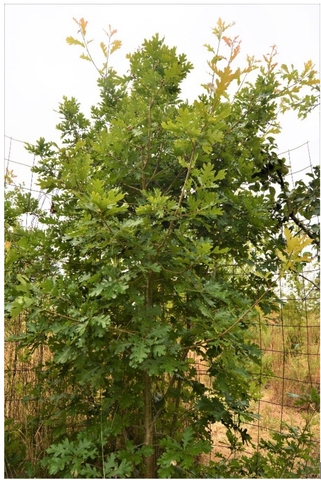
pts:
[288, 339]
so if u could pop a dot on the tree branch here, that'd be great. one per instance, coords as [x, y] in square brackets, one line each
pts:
[306, 230]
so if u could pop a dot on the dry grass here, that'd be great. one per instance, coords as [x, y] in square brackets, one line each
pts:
[292, 354]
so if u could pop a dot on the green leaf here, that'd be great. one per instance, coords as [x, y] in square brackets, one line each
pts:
[159, 350]
[139, 352]
[20, 304]
[65, 355]
[187, 437]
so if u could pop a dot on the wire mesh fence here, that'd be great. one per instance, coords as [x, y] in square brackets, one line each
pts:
[289, 339]
[290, 343]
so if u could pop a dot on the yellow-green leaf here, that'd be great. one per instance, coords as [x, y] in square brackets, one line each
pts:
[85, 57]
[104, 48]
[74, 41]
[115, 46]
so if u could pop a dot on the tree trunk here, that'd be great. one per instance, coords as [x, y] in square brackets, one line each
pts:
[148, 424]
[148, 400]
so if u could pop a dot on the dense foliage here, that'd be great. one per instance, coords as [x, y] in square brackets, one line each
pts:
[165, 230]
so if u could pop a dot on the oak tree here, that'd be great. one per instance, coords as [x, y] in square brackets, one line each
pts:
[165, 230]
